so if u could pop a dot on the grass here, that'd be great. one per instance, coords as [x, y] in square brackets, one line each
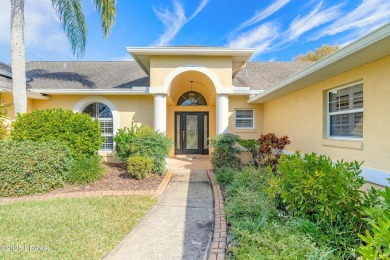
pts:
[70, 228]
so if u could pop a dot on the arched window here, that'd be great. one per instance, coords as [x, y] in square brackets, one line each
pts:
[192, 98]
[102, 113]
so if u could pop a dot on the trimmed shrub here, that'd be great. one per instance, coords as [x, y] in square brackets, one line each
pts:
[78, 131]
[139, 167]
[30, 167]
[144, 142]
[314, 187]
[225, 152]
[86, 170]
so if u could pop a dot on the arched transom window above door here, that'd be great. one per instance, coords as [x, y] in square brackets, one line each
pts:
[103, 114]
[191, 98]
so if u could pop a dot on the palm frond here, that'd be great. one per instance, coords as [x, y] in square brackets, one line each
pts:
[107, 11]
[73, 21]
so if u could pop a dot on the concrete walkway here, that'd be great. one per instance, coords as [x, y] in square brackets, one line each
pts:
[180, 225]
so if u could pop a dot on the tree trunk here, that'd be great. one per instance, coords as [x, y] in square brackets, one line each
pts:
[18, 57]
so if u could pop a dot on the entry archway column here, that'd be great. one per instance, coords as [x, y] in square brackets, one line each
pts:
[222, 114]
[160, 113]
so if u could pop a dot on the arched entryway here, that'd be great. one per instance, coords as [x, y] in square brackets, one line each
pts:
[191, 100]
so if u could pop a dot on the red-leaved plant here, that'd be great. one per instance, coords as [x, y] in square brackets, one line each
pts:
[270, 149]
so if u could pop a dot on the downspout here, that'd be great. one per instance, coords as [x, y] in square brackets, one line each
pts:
[243, 65]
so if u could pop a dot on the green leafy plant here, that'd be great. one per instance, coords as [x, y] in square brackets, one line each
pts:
[144, 142]
[154, 145]
[251, 146]
[270, 149]
[225, 152]
[313, 186]
[77, 131]
[139, 167]
[29, 167]
[377, 236]
[224, 176]
[255, 230]
[125, 140]
[86, 170]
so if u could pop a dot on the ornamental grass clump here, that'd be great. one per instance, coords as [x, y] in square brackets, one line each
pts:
[86, 170]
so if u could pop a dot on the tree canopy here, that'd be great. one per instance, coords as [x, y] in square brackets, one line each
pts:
[318, 53]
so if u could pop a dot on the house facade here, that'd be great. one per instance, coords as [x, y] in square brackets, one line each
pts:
[338, 106]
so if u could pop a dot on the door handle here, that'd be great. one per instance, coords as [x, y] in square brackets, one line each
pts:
[184, 134]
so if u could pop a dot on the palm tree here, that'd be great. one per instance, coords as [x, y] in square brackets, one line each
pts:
[73, 22]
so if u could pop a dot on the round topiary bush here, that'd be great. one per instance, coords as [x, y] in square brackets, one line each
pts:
[78, 131]
[139, 167]
[31, 167]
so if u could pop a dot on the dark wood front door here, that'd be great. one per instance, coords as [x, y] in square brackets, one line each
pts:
[191, 133]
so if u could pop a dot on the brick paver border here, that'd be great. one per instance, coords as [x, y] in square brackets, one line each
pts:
[160, 190]
[218, 244]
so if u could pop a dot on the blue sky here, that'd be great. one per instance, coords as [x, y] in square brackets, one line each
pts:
[278, 29]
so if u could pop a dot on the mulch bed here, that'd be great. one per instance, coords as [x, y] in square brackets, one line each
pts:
[115, 178]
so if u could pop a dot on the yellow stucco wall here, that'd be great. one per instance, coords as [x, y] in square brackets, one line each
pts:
[302, 116]
[6, 98]
[161, 66]
[141, 107]
[240, 102]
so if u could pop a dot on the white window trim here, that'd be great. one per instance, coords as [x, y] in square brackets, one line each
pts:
[328, 114]
[235, 118]
[83, 103]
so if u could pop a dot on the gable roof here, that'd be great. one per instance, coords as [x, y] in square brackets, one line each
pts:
[85, 75]
[127, 75]
[264, 75]
[369, 48]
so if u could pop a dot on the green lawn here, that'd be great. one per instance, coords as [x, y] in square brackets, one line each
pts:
[70, 228]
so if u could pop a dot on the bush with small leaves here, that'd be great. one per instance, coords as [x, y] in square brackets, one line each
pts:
[77, 131]
[225, 152]
[29, 167]
[143, 141]
[139, 167]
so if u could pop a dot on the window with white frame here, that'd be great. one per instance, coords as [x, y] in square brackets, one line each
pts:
[244, 118]
[345, 112]
[103, 114]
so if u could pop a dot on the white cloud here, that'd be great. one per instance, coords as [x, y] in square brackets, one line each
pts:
[261, 15]
[315, 18]
[368, 15]
[200, 7]
[43, 31]
[259, 38]
[174, 20]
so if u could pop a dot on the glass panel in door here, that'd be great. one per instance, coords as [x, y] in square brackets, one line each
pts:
[192, 134]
